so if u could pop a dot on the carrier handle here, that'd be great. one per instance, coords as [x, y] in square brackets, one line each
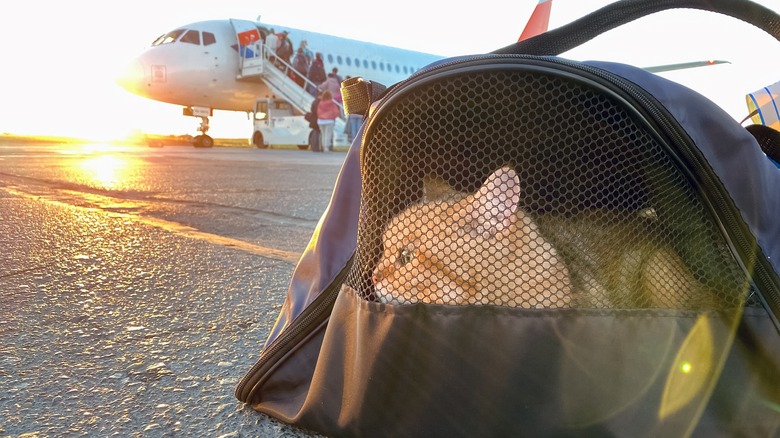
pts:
[582, 30]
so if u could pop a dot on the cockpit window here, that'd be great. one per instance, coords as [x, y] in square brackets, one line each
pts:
[208, 38]
[192, 37]
[168, 37]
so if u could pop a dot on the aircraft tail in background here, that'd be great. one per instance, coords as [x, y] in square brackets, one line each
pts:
[539, 20]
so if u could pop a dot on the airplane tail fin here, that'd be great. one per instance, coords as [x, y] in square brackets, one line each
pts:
[540, 18]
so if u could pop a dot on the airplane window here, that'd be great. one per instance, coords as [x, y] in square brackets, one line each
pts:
[192, 37]
[349, 60]
[208, 38]
[330, 58]
[365, 63]
[382, 66]
[338, 59]
[169, 37]
[373, 65]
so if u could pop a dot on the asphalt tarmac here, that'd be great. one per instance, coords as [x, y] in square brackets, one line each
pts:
[138, 285]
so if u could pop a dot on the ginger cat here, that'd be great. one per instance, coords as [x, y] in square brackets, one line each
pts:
[481, 248]
[471, 249]
[622, 263]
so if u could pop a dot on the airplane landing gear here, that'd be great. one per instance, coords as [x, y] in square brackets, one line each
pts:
[203, 140]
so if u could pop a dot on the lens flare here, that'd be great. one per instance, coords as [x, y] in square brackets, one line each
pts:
[694, 370]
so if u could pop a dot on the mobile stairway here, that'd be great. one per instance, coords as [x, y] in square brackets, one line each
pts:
[256, 64]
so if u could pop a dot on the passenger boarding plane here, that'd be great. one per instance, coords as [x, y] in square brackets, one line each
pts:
[224, 65]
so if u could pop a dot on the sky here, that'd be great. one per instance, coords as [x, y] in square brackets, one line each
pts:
[61, 58]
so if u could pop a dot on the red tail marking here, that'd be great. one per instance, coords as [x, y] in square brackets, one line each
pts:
[539, 20]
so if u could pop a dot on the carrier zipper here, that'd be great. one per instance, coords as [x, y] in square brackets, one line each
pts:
[718, 201]
[314, 315]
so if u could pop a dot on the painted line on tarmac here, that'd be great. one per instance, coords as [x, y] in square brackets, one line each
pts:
[109, 205]
[175, 227]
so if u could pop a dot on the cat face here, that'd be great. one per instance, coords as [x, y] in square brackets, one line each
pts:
[419, 262]
[468, 249]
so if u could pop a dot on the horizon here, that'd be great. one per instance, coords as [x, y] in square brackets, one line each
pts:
[62, 82]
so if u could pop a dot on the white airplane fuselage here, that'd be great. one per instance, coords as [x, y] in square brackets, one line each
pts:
[205, 73]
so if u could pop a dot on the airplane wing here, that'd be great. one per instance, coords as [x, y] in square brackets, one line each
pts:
[764, 106]
[684, 65]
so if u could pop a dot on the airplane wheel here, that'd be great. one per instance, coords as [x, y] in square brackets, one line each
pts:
[303, 147]
[257, 140]
[206, 141]
[197, 141]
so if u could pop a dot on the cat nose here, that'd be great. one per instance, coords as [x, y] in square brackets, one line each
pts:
[376, 277]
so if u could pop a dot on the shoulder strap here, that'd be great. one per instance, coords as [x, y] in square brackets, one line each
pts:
[357, 94]
[768, 139]
[580, 31]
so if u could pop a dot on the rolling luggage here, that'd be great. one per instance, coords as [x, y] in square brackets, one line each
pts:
[523, 245]
[314, 140]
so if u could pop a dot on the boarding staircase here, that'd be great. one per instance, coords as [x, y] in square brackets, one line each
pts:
[257, 65]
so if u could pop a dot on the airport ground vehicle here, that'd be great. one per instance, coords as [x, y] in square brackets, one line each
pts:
[275, 123]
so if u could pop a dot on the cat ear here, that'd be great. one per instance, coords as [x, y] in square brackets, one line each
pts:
[495, 203]
[435, 189]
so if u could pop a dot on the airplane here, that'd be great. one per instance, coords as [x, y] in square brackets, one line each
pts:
[223, 65]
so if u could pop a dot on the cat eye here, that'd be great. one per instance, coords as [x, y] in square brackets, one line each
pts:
[406, 256]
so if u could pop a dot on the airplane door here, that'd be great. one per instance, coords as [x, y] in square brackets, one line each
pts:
[250, 47]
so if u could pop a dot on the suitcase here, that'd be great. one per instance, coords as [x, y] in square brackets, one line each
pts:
[314, 140]
[520, 244]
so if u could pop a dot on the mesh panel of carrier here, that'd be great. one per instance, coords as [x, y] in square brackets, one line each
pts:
[531, 190]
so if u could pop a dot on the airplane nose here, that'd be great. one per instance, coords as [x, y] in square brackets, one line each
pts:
[132, 77]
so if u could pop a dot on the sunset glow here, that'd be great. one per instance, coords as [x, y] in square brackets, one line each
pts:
[63, 61]
[105, 171]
